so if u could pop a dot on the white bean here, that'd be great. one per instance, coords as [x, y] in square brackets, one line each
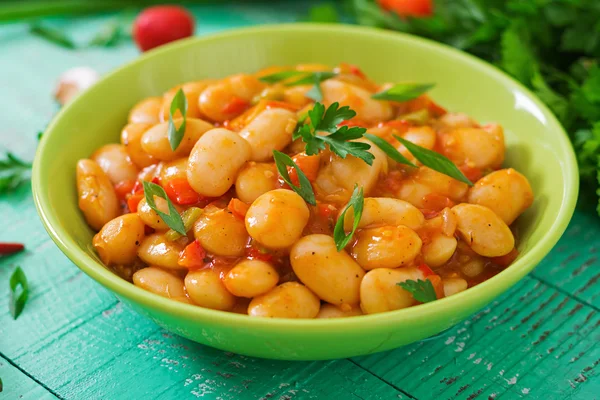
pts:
[330, 311]
[215, 161]
[155, 140]
[439, 250]
[254, 180]
[276, 219]
[334, 276]
[221, 233]
[161, 282]
[506, 192]
[359, 99]
[380, 292]
[118, 240]
[157, 250]
[288, 300]
[381, 211]
[97, 198]
[271, 130]
[250, 278]
[386, 247]
[206, 289]
[483, 230]
[116, 163]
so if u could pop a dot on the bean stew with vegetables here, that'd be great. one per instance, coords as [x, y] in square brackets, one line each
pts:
[302, 192]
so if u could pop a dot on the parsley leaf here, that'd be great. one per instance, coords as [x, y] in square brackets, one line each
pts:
[389, 150]
[403, 91]
[339, 139]
[434, 160]
[172, 219]
[13, 171]
[305, 190]
[357, 202]
[422, 291]
[179, 102]
[19, 292]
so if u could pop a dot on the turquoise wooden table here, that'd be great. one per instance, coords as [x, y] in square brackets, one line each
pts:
[74, 339]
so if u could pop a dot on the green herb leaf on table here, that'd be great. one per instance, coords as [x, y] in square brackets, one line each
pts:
[52, 34]
[179, 102]
[422, 291]
[173, 219]
[108, 36]
[388, 149]
[434, 160]
[305, 190]
[339, 139]
[403, 91]
[19, 292]
[13, 171]
[357, 202]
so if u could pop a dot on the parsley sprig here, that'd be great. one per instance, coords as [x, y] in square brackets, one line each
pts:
[172, 219]
[13, 171]
[339, 139]
[305, 190]
[421, 290]
[179, 102]
[357, 202]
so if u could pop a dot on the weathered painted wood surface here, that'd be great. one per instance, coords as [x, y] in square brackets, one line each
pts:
[76, 341]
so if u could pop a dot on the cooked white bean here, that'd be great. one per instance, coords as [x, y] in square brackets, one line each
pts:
[254, 180]
[151, 217]
[483, 230]
[379, 290]
[288, 300]
[476, 147]
[474, 267]
[161, 282]
[276, 219]
[453, 286]
[192, 91]
[97, 198]
[423, 136]
[386, 247]
[359, 99]
[174, 169]
[155, 140]
[506, 192]
[334, 176]
[157, 250]
[330, 311]
[116, 163]
[439, 250]
[334, 276]
[271, 130]
[146, 111]
[250, 278]
[427, 181]
[215, 161]
[131, 138]
[381, 211]
[455, 120]
[118, 240]
[214, 100]
[206, 289]
[221, 233]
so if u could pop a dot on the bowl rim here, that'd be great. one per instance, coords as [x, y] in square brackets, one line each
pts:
[495, 285]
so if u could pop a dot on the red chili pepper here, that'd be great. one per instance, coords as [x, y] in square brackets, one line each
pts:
[437, 202]
[156, 180]
[472, 173]
[235, 106]
[408, 8]
[10, 248]
[180, 191]
[193, 256]
[354, 70]
[326, 210]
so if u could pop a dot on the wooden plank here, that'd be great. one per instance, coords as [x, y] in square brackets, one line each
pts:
[520, 345]
[120, 354]
[574, 265]
[17, 385]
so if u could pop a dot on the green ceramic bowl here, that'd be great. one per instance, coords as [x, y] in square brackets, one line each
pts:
[536, 145]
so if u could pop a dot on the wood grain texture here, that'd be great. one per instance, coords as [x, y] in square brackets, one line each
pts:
[538, 341]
